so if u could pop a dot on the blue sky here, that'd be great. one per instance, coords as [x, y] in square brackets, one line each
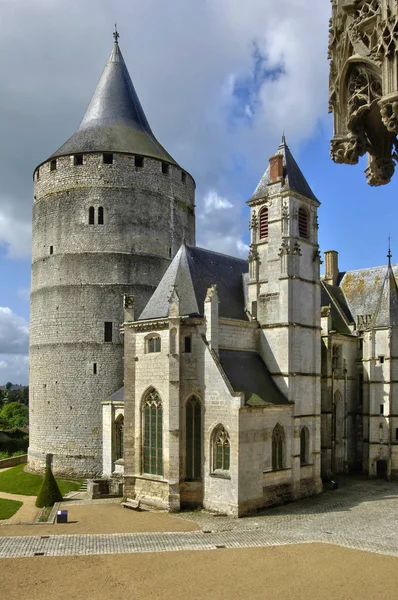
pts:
[219, 80]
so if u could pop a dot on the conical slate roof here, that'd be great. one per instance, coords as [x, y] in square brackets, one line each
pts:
[114, 120]
[386, 313]
[192, 271]
[293, 179]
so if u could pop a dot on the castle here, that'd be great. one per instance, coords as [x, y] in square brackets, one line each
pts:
[191, 377]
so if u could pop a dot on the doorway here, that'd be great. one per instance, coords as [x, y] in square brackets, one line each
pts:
[381, 469]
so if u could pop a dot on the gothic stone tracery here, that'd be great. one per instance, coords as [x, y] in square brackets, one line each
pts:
[363, 88]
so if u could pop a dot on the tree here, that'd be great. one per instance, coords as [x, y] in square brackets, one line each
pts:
[49, 493]
[15, 414]
[8, 385]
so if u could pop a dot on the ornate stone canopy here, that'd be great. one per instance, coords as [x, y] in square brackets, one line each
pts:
[363, 88]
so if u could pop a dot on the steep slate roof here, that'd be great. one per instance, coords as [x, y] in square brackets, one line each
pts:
[248, 373]
[117, 396]
[193, 270]
[114, 120]
[363, 288]
[333, 296]
[386, 313]
[294, 180]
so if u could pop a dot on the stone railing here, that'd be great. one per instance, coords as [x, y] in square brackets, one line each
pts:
[13, 461]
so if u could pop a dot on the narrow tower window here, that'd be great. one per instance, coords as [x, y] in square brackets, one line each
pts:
[139, 162]
[94, 368]
[303, 222]
[264, 223]
[108, 326]
[91, 215]
[53, 164]
[37, 174]
[107, 158]
[187, 344]
[100, 215]
[51, 249]
[183, 177]
[193, 430]
[165, 168]
[78, 160]
[381, 409]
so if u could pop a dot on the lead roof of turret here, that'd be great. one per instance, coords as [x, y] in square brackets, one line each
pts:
[192, 271]
[293, 179]
[114, 120]
[386, 313]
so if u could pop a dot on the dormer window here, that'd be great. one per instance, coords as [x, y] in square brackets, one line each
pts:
[264, 224]
[78, 160]
[303, 222]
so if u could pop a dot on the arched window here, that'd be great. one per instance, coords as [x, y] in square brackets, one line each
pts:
[119, 437]
[304, 440]
[153, 429]
[91, 215]
[193, 438]
[264, 224]
[100, 215]
[303, 222]
[153, 344]
[221, 450]
[278, 447]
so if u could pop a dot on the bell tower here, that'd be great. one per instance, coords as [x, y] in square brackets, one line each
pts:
[284, 290]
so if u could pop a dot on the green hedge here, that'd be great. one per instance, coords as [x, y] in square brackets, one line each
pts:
[49, 492]
[14, 440]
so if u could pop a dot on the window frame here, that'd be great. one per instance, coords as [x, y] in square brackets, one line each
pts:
[108, 332]
[263, 223]
[304, 449]
[193, 445]
[119, 437]
[278, 448]
[304, 212]
[220, 452]
[151, 399]
[153, 344]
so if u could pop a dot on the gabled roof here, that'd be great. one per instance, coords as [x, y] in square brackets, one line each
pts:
[192, 271]
[248, 373]
[332, 295]
[293, 179]
[114, 120]
[363, 289]
[386, 313]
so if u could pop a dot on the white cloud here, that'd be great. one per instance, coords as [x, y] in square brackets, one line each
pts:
[15, 232]
[219, 81]
[14, 332]
[14, 368]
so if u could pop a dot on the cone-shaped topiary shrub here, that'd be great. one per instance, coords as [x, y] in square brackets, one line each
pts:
[49, 491]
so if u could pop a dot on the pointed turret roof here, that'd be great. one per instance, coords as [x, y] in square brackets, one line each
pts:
[114, 120]
[386, 313]
[192, 271]
[293, 179]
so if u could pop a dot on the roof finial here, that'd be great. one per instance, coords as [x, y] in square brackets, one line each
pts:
[283, 137]
[116, 35]
[389, 255]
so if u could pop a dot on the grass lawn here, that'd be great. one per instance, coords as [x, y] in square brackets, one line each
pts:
[8, 508]
[16, 481]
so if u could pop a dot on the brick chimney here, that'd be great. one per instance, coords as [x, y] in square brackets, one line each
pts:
[276, 168]
[331, 267]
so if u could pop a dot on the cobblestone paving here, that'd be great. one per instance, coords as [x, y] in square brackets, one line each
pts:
[361, 514]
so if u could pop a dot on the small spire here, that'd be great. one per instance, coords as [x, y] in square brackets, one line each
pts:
[389, 254]
[116, 35]
[283, 138]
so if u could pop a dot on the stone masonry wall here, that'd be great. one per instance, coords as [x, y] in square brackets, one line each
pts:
[80, 272]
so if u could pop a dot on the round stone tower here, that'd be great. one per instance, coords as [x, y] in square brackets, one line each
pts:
[111, 208]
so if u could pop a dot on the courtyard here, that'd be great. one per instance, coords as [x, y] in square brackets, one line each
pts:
[341, 544]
